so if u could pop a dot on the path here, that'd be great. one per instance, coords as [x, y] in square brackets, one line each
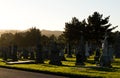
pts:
[12, 73]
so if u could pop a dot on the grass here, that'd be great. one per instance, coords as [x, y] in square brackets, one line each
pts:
[69, 68]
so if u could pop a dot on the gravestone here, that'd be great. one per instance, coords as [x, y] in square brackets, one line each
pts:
[10, 53]
[4, 53]
[32, 56]
[25, 53]
[14, 53]
[80, 54]
[39, 54]
[91, 51]
[61, 53]
[54, 55]
[107, 54]
[87, 49]
[65, 49]
[46, 52]
[111, 52]
[97, 55]
[69, 52]
[117, 45]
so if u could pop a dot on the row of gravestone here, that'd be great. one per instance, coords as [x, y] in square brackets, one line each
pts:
[108, 49]
[55, 54]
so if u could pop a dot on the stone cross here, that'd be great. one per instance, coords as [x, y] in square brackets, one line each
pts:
[105, 60]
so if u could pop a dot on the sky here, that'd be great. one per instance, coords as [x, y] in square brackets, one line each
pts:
[52, 14]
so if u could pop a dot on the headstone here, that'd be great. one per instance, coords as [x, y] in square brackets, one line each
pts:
[54, 55]
[14, 53]
[65, 49]
[4, 53]
[39, 54]
[32, 55]
[46, 52]
[97, 55]
[69, 52]
[20, 53]
[117, 45]
[61, 53]
[10, 53]
[110, 52]
[80, 54]
[25, 53]
[105, 60]
[87, 49]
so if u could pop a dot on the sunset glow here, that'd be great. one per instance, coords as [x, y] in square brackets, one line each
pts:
[52, 14]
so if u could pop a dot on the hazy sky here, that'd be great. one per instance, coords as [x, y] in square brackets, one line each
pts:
[52, 14]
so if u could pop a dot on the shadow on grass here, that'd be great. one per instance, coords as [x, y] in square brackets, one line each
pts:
[113, 69]
[70, 60]
[50, 65]
[55, 66]
[68, 66]
[116, 63]
[90, 61]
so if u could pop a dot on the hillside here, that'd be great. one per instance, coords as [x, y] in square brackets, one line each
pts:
[44, 32]
[9, 31]
[49, 33]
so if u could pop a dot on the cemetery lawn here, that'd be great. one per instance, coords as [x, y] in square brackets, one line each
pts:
[69, 68]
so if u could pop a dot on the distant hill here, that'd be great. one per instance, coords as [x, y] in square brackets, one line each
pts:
[44, 32]
[9, 31]
[49, 33]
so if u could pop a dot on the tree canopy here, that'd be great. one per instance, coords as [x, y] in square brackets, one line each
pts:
[94, 29]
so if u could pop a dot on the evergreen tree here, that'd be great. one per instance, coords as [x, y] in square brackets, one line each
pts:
[99, 26]
[72, 33]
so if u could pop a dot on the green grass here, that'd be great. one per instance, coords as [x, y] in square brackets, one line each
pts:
[69, 67]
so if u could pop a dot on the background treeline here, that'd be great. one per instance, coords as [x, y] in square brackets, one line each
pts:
[31, 44]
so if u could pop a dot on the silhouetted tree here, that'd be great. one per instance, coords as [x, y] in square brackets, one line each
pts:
[99, 26]
[6, 40]
[19, 39]
[34, 39]
[61, 39]
[33, 36]
[53, 37]
[71, 33]
[30, 38]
